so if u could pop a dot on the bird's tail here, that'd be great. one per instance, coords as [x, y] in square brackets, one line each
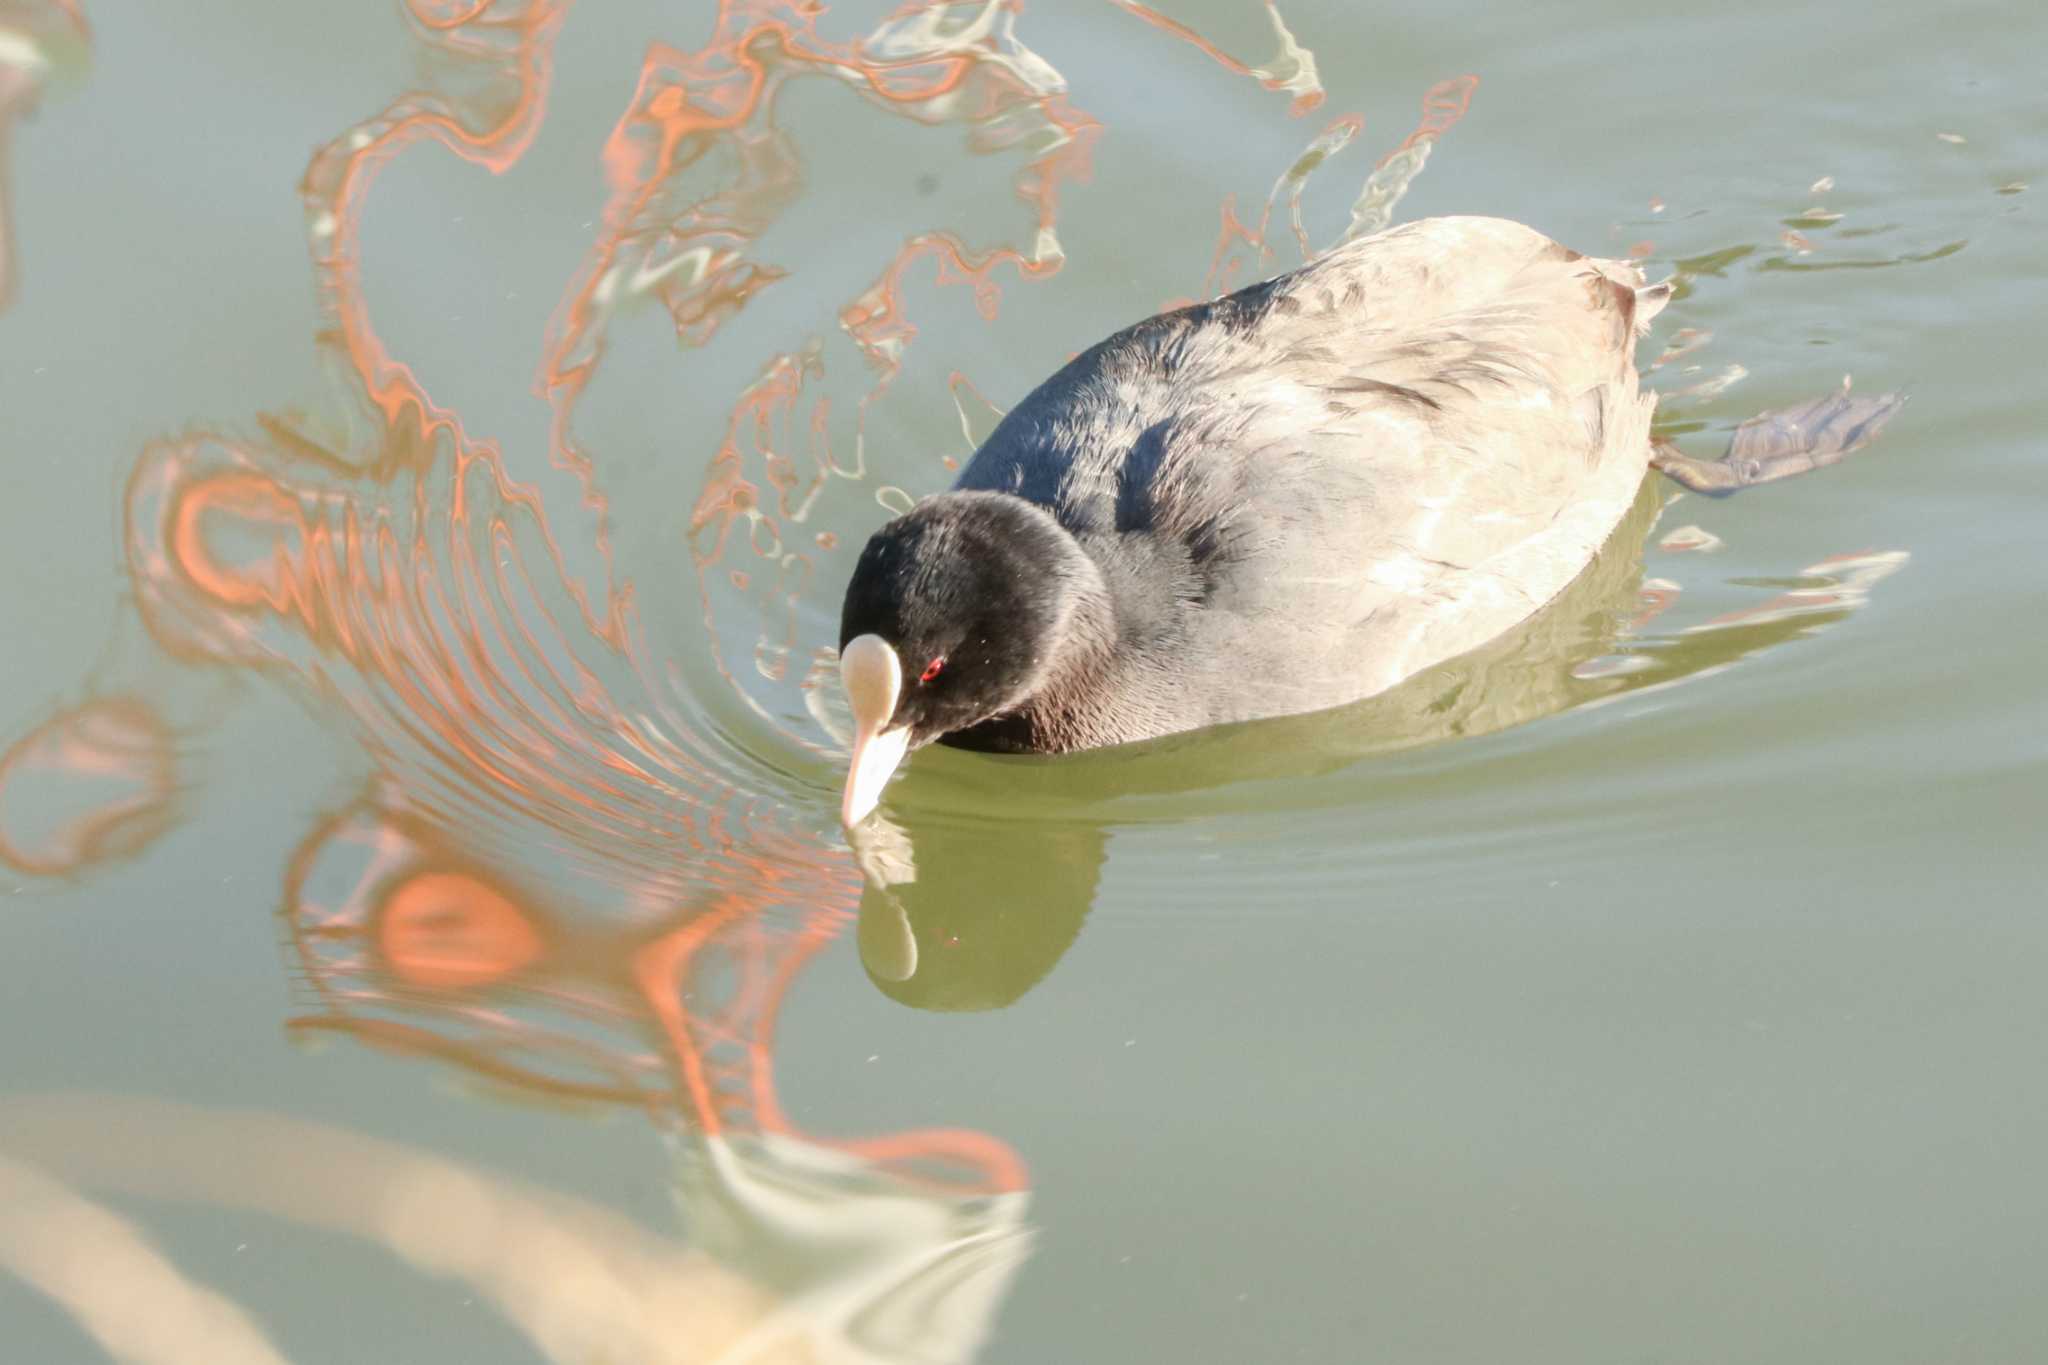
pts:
[1650, 301]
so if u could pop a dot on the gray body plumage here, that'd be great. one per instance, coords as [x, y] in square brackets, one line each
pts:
[1300, 494]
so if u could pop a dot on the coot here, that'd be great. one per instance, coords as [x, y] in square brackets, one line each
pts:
[1281, 500]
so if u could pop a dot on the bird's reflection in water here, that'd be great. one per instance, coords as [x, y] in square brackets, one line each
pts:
[965, 921]
[955, 917]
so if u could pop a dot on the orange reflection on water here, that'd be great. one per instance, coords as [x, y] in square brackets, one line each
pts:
[274, 579]
[493, 59]
[452, 931]
[932, 64]
[1242, 247]
[1443, 104]
[429, 626]
[1245, 251]
[97, 782]
[407, 943]
[561, 879]
[1292, 69]
[410, 573]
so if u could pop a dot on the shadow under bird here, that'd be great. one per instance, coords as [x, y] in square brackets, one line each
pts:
[1282, 500]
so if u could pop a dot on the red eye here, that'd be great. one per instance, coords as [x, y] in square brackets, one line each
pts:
[931, 670]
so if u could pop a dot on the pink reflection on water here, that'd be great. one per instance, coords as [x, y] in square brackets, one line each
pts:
[95, 783]
[560, 880]
[1291, 69]
[405, 942]
[1244, 251]
[562, 877]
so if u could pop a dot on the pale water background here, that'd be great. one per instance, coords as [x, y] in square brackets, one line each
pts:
[407, 957]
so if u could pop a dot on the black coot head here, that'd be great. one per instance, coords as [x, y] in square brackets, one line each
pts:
[957, 613]
[971, 591]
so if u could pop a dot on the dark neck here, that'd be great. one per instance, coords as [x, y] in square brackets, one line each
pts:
[1123, 617]
[1064, 709]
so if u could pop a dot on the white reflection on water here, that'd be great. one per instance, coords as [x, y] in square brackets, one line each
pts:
[866, 1271]
[121, 1290]
[40, 41]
